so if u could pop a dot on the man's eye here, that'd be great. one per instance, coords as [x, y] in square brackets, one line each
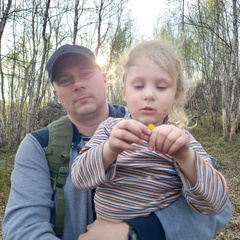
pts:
[87, 74]
[64, 81]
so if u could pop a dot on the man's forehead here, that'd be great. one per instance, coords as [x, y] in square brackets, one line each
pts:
[70, 61]
[72, 57]
[65, 50]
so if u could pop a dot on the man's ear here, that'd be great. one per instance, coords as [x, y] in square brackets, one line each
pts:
[55, 94]
[105, 80]
[104, 77]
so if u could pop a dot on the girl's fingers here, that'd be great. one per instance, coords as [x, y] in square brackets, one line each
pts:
[168, 139]
[127, 132]
[136, 128]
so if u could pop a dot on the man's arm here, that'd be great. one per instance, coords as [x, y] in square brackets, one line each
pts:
[147, 228]
[179, 219]
[28, 211]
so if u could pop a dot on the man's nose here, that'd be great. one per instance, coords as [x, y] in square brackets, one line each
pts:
[78, 84]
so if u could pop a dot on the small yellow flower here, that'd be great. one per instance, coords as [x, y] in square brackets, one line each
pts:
[151, 126]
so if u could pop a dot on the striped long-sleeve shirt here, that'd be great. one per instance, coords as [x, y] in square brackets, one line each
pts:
[140, 182]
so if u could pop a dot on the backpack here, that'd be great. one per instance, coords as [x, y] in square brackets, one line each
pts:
[58, 156]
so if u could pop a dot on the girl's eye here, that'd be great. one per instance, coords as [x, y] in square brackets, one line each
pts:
[161, 88]
[138, 86]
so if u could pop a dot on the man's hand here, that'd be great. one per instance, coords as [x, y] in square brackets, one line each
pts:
[104, 230]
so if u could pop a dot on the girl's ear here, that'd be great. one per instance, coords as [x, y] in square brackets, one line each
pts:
[178, 94]
[176, 97]
[124, 93]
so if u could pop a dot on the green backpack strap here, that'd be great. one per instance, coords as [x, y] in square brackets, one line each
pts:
[58, 156]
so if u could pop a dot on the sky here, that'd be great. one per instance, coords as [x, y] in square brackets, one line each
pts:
[146, 12]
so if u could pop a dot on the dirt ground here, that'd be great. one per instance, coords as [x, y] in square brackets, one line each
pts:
[232, 230]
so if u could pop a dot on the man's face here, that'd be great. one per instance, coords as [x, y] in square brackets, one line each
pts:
[79, 86]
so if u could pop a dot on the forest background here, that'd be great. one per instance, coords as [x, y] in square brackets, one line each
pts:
[204, 33]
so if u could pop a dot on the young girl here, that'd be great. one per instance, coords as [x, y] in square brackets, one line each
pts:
[137, 170]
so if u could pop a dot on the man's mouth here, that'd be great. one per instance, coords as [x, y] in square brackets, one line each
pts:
[82, 99]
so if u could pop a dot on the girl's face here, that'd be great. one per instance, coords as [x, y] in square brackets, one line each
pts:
[149, 91]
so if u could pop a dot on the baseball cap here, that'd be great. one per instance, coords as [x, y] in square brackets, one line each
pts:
[67, 49]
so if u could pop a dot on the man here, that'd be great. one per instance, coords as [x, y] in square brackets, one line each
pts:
[80, 87]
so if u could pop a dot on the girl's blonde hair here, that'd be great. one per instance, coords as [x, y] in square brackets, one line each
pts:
[165, 57]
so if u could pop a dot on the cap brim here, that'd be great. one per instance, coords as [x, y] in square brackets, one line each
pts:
[66, 50]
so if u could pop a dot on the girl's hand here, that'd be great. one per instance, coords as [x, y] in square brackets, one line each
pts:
[125, 133]
[169, 139]
[123, 136]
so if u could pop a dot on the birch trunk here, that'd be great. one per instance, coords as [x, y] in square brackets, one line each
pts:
[234, 76]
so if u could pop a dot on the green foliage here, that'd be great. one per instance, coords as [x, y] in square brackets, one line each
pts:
[6, 166]
[121, 41]
[49, 113]
[4, 180]
[226, 152]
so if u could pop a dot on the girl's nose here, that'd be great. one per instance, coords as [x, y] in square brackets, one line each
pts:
[149, 95]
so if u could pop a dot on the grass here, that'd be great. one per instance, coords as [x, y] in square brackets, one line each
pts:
[6, 166]
[228, 157]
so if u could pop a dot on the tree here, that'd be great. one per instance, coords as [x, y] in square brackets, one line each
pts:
[38, 87]
[234, 107]
[5, 11]
[210, 55]
[34, 30]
